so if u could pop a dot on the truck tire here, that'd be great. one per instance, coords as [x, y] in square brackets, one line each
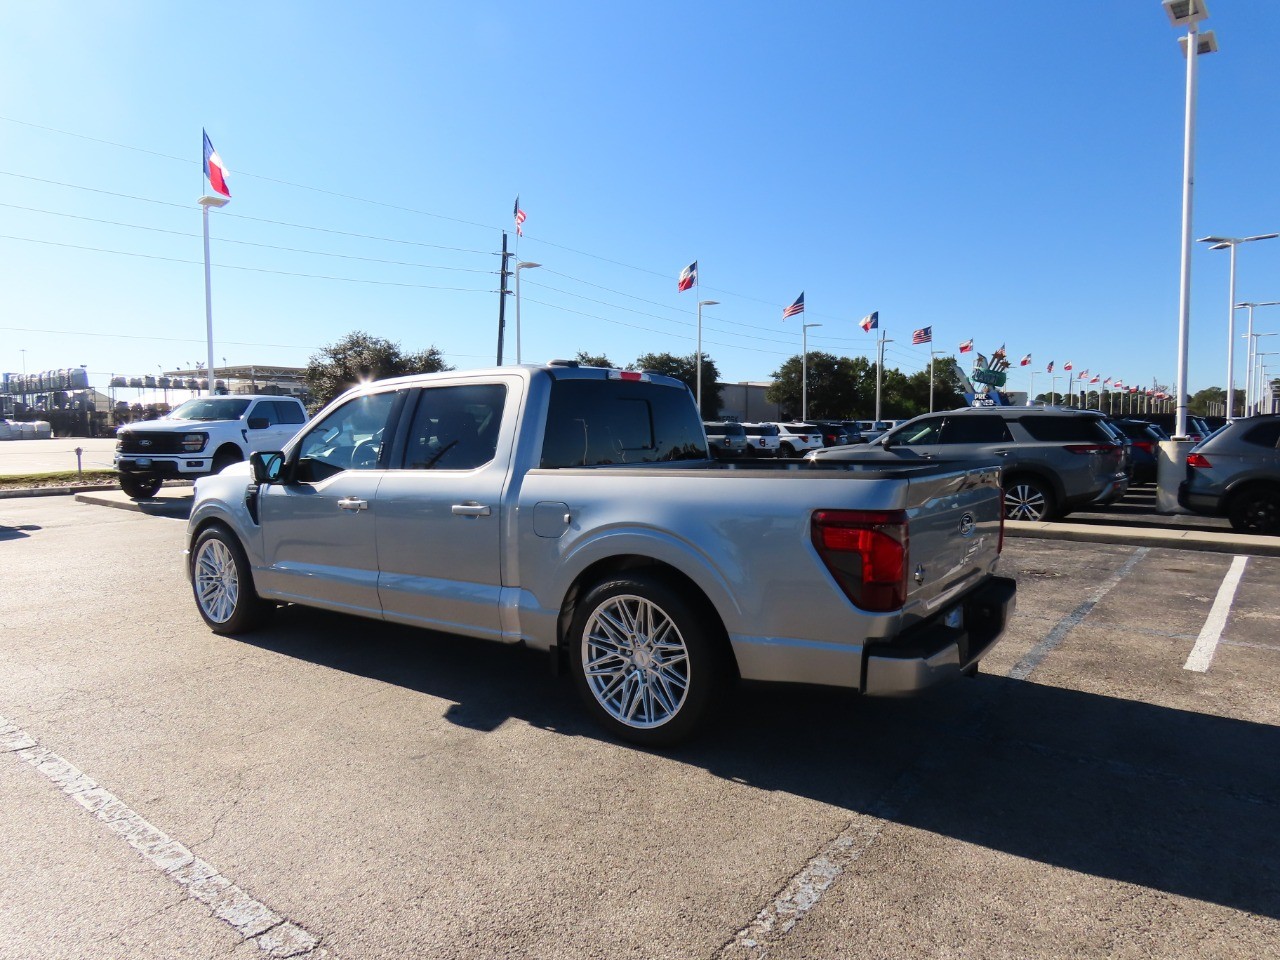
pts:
[1255, 510]
[649, 666]
[225, 457]
[1027, 498]
[139, 486]
[222, 583]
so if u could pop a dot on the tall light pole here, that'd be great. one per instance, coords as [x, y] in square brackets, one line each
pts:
[1230, 243]
[1253, 399]
[1251, 345]
[206, 203]
[1187, 13]
[880, 370]
[698, 355]
[1264, 380]
[804, 371]
[520, 265]
[1031, 390]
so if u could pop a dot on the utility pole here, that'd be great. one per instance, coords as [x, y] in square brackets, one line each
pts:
[880, 370]
[502, 297]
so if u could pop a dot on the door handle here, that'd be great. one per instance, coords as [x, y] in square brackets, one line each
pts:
[353, 504]
[470, 510]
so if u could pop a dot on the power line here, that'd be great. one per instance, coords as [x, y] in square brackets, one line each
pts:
[250, 243]
[232, 266]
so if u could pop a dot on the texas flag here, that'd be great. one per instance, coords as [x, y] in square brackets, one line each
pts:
[1067, 366]
[214, 168]
[1095, 379]
[1025, 360]
[966, 347]
[870, 322]
[688, 276]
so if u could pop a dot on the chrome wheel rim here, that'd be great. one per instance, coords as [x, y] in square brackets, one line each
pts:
[635, 661]
[1024, 502]
[217, 581]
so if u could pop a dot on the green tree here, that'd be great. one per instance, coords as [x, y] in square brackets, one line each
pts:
[358, 358]
[590, 360]
[685, 369]
[838, 386]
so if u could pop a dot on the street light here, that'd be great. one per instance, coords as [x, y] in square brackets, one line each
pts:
[804, 369]
[520, 265]
[206, 203]
[698, 357]
[1230, 243]
[1187, 13]
[1251, 345]
[1262, 376]
[1253, 388]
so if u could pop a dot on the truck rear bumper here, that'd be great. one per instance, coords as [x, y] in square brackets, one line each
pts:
[933, 652]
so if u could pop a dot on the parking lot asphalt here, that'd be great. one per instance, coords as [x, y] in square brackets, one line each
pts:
[354, 789]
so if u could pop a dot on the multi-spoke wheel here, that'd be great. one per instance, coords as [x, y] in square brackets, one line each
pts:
[646, 662]
[1256, 510]
[1027, 499]
[223, 584]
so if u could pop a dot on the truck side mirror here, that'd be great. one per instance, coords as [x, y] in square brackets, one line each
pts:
[267, 467]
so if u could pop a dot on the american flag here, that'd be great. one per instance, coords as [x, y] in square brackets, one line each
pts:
[923, 335]
[519, 216]
[966, 346]
[797, 307]
[871, 321]
[688, 276]
[1049, 369]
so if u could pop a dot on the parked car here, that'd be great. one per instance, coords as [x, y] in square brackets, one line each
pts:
[1145, 440]
[834, 433]
[1054, 459]
[855, 432]
[795, 439]
[762, 439]
[1236, 474]
[1198, 428]
[575, 510]
[870, 429]
[727, 438]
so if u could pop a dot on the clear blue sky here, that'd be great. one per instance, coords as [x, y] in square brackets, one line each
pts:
[1011, 173]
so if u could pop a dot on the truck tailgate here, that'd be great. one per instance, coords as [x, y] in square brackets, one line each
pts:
[954, 521]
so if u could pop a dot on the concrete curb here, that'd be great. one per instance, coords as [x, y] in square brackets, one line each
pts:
[1226, 542]
[172, 502]
[52, 491]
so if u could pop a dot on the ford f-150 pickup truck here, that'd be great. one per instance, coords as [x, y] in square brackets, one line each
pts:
[201, 436]
[576, 510]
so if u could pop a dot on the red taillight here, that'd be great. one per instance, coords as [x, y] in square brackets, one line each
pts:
[1087, 448]
[866, 551]
[1147, 445]
[1198, 460]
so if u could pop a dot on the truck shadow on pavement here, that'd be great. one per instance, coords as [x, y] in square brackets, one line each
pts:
[1162, 798]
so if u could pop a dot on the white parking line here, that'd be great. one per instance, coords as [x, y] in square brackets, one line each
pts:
[250, 918]
[1207, 643]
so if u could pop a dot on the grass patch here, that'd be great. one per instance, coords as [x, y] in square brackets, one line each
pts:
[59, 478]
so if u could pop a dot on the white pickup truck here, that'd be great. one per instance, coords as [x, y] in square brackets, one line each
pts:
[576, 510]
[201, 436]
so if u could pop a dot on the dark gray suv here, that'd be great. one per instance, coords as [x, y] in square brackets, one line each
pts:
[1054, 459]
[1236, 474]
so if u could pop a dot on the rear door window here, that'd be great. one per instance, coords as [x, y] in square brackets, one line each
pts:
[978, 428]
[594, 423]
[455, 427]
[1264, 435]
[1065, 429]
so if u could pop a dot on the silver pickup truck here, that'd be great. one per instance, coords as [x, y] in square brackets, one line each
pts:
[575, 510]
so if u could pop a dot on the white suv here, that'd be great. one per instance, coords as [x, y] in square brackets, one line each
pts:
[762, 439]
[795, 439]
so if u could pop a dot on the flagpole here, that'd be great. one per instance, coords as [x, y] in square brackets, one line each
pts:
[205, 204]
[697, 293]
[879, 370]
[1031, 390]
